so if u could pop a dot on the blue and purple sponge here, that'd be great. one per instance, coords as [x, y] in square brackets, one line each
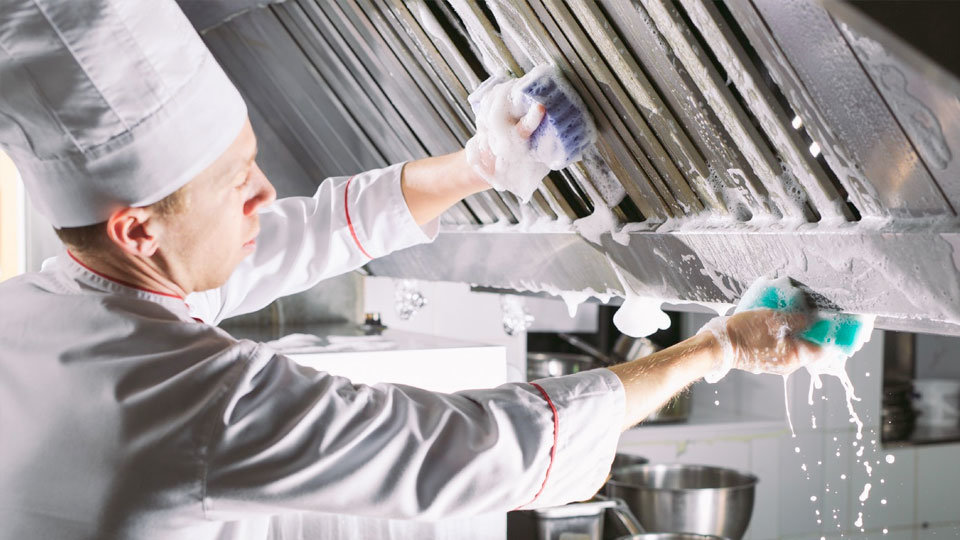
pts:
[567, 128]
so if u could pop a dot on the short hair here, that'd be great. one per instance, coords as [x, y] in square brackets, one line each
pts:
[94, 237]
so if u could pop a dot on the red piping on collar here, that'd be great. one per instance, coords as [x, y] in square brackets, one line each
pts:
[121, 282]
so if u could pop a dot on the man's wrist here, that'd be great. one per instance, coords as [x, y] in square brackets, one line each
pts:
[708, 353]
[470, 180]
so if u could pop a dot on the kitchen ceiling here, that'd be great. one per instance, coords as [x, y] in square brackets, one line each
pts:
[737, 139]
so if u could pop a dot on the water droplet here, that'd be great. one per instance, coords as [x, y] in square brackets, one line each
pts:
[890, 458]
[883, 501]
[813, 498]
[843, 477]
[716, 402]
[797, 449]
[885, 531]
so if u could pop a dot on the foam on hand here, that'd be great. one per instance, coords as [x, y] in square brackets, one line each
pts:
[520, 163]
[839, 335]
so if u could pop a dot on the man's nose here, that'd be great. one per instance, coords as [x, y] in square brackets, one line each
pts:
[264, 193]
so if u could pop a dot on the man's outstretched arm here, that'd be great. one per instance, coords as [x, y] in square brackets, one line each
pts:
[432, 185]
[650, 381]
[759, 341]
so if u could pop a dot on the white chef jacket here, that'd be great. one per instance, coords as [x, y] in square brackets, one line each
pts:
[126, 413]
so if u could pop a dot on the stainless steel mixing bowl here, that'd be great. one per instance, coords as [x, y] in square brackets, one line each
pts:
[623, 461]
[687, 498]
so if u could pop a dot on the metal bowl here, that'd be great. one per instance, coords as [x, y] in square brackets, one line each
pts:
[623, 461]
[687, 498]
[543, 365]
[671, 536]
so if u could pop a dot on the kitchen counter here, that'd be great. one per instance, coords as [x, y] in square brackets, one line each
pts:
[374, 354]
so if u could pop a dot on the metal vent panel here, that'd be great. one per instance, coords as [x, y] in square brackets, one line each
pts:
[737, 138]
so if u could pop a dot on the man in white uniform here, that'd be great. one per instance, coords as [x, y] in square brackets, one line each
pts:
[126, 413]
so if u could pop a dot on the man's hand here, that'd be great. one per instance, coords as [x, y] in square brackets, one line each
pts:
[485, 162]
[432, 185]
[760, 341]
[500, 152]
[527, 127]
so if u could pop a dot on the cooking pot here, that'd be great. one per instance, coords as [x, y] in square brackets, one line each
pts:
[687, 498]
[542, 365]
[574, 521]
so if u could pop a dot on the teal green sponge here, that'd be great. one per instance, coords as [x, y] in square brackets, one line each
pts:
[846, 332]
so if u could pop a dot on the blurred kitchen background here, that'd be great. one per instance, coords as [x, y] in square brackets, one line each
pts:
[738, 138]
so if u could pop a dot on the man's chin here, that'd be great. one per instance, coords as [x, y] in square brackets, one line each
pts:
[215, 282]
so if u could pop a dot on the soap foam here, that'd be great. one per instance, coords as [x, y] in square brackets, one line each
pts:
[521, 163]
[839, 336]
[638, 316]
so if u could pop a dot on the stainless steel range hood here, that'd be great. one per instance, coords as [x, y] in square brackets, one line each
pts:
[737, 139]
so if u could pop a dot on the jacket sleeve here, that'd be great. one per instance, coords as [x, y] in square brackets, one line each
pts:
[292, 438]
[304, 240]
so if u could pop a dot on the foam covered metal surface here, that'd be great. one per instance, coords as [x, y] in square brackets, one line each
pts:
[736, 139]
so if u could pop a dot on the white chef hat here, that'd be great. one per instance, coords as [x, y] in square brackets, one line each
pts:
[109, 103]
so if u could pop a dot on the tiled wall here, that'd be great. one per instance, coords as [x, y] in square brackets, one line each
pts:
[921, 488]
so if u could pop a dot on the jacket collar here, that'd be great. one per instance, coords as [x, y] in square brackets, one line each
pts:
[83, 274]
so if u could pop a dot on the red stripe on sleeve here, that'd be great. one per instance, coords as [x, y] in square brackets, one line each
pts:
[346, 210]
[556, 435]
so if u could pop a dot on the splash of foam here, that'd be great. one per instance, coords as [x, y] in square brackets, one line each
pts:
[638, 316]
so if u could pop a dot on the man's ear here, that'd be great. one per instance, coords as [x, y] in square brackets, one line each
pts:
[134, 230]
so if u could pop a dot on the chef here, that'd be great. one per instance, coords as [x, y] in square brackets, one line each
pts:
[125, 412]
